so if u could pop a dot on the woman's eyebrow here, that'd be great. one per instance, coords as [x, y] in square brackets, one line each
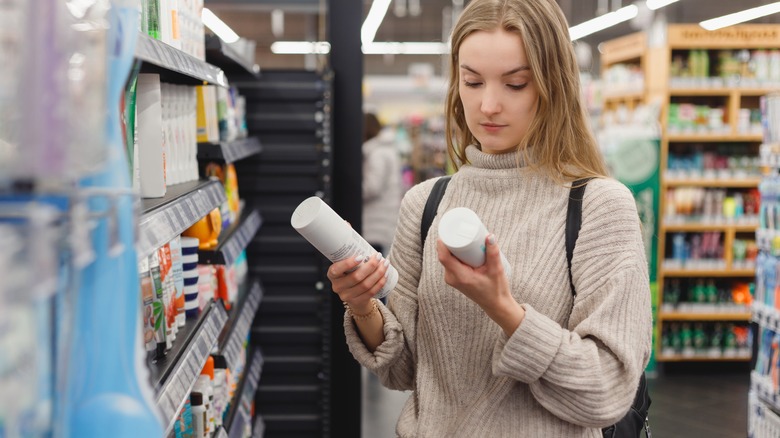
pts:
[510, 72]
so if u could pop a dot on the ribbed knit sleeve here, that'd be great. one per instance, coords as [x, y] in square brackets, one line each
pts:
[394, 360]
[587, 373]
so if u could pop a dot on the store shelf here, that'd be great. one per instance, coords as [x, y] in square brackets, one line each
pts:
[727, 183]
[708, 273]
[175, 374]
[233, 240]
[625, 97]
[717, 91]
[240, 414]
[762, 386]
[700, 227]
[766, 316]
[692, 316]
[162, 219]
[231, 341]
[720, 138]
[681, 358]
[226, 57]
[229, 151]
[693, 92]
[175, 66]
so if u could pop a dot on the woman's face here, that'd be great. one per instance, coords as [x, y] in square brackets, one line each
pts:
[497, 89]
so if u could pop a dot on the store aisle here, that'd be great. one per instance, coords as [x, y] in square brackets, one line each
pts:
[712, 406]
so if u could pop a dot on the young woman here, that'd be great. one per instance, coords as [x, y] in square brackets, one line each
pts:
[483, 354]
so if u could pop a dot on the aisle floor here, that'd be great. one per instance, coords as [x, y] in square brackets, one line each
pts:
[713, 406]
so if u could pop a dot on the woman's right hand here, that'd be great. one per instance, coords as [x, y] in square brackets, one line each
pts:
[356, 280]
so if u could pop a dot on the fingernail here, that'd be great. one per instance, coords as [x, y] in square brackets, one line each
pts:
[492, 239]
[387, 273]
[387, 262]
[359, 258]
[365, 260]
[379, 256]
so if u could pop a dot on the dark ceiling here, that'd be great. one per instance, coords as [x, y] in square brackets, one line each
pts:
[305, 20]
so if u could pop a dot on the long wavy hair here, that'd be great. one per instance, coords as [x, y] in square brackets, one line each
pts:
[559, 141]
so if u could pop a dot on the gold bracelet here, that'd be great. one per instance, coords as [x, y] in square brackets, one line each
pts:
[365, 316]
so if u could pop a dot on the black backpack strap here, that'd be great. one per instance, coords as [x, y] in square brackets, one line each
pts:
[434, 199]
[574, 222]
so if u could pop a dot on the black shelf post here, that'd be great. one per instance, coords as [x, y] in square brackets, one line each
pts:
[346, 60]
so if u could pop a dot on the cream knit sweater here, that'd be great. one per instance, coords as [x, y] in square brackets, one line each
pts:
[565, 372]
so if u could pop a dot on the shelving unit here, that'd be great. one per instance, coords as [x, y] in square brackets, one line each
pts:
[702, 316]
[224, 55]
[655, 61]
[175, 375]
[216, 332]
[175, 66]
[237, 328]
[233, 240]
[293, 325]
[628, 50]
[240, 414]
[229, 152]
[162, 219]
[724, 183]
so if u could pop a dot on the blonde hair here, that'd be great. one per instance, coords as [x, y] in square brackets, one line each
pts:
[562, 144]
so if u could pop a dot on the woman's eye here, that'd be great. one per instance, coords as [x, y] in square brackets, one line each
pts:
[517, 87]
[472, 84]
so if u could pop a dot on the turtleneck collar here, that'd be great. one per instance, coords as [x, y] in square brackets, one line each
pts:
[482, 160]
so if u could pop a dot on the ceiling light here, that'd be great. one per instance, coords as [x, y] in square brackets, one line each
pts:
[218, 26]
[384, 48]
[742, 16]
[374, 18]
[602, 22]
[414, 48]
[658, 4]
[300, 47]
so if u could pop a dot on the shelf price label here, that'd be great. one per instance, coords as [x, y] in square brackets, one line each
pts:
[234, 346]
[252, 379]
[161, 225]
[178, 386]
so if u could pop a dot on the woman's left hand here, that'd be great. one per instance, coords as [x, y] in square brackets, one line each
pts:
[486, 285]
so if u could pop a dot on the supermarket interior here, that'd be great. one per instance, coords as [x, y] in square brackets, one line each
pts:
[191, 228]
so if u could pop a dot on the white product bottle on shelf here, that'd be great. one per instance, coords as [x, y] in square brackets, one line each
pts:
[192, 133]
[333, 237]
[151, 162]
[464, 234]
[199, 415]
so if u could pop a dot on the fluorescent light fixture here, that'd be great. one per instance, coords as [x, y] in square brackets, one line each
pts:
[658, 4]
[300, 47]
[218, 26]
[413, 48]
[384, 48]
[374, 18]
[742, 16]
[602, 22]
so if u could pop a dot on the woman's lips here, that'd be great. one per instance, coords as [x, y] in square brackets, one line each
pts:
[492, 127]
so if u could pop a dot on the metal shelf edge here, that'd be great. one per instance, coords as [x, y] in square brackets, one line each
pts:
[233, 346]
[169, 58]
[230, 151]
[161, 224]
[241, 405]
[178, 385]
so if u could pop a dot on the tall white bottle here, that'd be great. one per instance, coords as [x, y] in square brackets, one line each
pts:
[333, 237]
